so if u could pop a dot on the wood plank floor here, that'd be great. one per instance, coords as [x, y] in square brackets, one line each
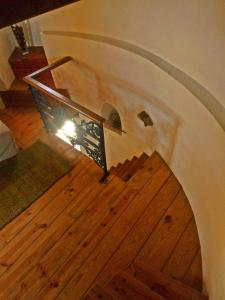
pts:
[81, 233]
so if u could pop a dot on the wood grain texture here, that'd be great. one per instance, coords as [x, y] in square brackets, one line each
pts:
[124, 287]
[184, 253]
[139, 234]
[193, 276]
[164, 285]
[78, 235]
[166, 234]
[97, 292]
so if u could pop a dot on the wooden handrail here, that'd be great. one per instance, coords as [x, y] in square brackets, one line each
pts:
[50, 67]
[56, 95]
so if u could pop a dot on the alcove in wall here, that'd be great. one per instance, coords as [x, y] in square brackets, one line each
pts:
[111, 114]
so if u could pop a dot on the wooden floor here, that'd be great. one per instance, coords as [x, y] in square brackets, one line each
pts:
[81, 232]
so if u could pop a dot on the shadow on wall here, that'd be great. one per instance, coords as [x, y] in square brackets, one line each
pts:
[2, 88]
[104, 93]
[2, 85]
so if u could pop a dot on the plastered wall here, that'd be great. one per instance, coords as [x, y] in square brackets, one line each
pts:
[6, 74]
[188, 35]
[93, 87]
[6, 48]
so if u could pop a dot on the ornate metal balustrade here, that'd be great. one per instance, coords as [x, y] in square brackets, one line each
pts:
[81, 128]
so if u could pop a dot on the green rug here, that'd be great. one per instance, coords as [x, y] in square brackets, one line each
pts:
[26, 177]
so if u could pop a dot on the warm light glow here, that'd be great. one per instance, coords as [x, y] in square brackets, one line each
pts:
[68, 130]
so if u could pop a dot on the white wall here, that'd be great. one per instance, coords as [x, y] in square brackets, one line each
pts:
[6, 48]
[93, 86]
[35, 29]
[189, 35]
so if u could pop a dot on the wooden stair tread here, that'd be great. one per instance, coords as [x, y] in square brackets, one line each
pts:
[18, 93]
[127, 196]
[75, 238]
[193, 276]
[98, 292]
[168, 230]
[82, 278]
[125, 286]
[128, 168]
[143, 157]
[131, 169]
[112, 168]
[160, 192]
[154, 161]
[149, 163]
[165, 285]
[123, 168]
[117, 168]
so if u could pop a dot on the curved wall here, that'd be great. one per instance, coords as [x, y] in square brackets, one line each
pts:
[189, 35]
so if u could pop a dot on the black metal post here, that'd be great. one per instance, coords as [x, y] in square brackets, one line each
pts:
[102, 149]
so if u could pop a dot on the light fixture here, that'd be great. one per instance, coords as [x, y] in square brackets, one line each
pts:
[69, 128]
[67, 131]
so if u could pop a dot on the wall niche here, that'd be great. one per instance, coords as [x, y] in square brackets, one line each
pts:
[111, 114]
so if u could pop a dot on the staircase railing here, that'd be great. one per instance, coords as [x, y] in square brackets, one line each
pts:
[79, 126]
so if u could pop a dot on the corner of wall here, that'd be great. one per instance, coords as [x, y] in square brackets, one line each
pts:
[6, 48]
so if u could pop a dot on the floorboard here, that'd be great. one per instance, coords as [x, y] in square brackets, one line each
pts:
[80, 233]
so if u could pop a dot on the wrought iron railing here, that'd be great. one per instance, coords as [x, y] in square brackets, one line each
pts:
[75, 124]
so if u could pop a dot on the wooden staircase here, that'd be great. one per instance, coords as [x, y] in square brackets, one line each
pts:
[17, 95]
[132, 238]
[137, 282]
[126, 170]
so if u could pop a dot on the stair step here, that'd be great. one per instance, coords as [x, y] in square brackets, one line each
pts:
[165, 285]
[112, 170]
[117, 168]
[137, 236]
[143, 157]
[17, 98]
[154, 161]
[132, 168]
[98, 292]
[151, 163]
[127, 170]
[124, 286]
[19, 95]
[123, 168]
[130, 162]
[136, 164]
